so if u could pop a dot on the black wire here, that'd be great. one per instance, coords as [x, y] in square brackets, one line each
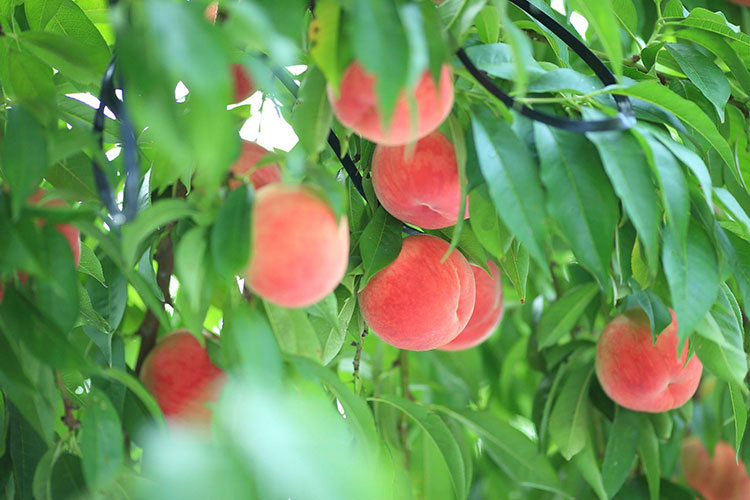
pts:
[623, 121]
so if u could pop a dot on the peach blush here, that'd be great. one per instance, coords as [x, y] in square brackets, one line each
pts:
[640, 375]
[299, 250]
[71, 233]
[420, 187]
[488, 310]
[719, 477]
[181, 377]
[250, 154]
[418, 302]
[356, 106]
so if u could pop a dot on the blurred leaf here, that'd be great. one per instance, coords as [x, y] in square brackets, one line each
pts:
[38, 13]
[627, 167]
[249, 346]
[513, 182]
[702, 71]
[688, 112]
[601, 15]
[580, 198]
[26, 449]
[101, 441]
[57, 289]
[627, 14]
[109, 298]
[293, 331]
[90, 264]
[569, 420]
[739, 410]
[658, 314]
[31, 82]
[324, 40]
[71, 21]
[438, 433]
[4, 416]
[561, 316]
[586, 463]
[488, 24]
[690, 159]
[73, 176]
[312, 116]
[648, 448]
[87, 314]
[24, 155]
[379, 244]
[66, 481]
[715, 23]
[189, 256]
[731, 204]
[230, 234]
[332, 324]
[693, 280]
[157, 215]
[66, 54]
[621, 449]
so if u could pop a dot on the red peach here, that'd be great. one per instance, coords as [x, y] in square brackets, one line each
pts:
[420, 187]
[418, 302]
[299, 250]
[744, 3]
[720, 477]
[70, 232]
[250, 155]
[640, 375]
[488, 310]
[211, 11]
[243, 85]
[181, 377]
[356, 106]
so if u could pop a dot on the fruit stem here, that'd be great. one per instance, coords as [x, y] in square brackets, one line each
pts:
[357, 357]
[70, 421]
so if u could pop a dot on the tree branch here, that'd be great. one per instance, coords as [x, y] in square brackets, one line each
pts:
[357, 357]
[70, 421]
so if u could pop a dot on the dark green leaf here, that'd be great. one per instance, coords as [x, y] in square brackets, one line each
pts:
[739, 409]
[648, 449]
[559, 318]
[230, 235]
[90, 264]
[702, 71]
[148, 221]
[721, 49]
[516, 266]
[312, 114]
[249, 346]
[26, 449]
[24, 155]
[586, 463]
[66, 54]
[569, 420]
[101, 441]
[601, 15]
[621, 449]
[379, 244]
[486, 224]
[31, 82]
[293, 331]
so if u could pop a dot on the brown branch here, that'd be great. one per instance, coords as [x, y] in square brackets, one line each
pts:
[70, 421]
[357, 358]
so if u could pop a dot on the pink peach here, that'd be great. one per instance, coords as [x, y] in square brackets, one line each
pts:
[250, 155]
[488, 310]
[299, 250]
[720, 477]
[640, 375]
[418, 302]
[419, 186]
[356, 106]
[243, 84]
[71, 233]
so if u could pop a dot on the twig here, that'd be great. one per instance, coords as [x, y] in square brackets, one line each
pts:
[357, 358]
[403, 363]
[70, 421]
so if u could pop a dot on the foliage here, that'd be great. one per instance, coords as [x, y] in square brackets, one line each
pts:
[583, 227]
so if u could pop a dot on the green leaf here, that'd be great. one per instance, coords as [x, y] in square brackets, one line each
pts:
[357, 411]
[627, 14]
[90, 317]
[42, 474]
[674, 189]
[438, 433]
[621, 449]
[324, 40]
[730, 203]
[293, 331]
[513, 182]
[486, 224]
[516, 266]
[39, 12]
[109, 297]
[66, 480]
[379, 244]
[580, 197]
[511, 450]
[721, 49]
[24, 155]
[691, 159]
[332, 324]
[57, 288]
[249, 346]
[702, 71]
[90, 264]
[26, 450]
[230, 234]
[312, 116]
[739, 409]
[189, 256]
[627, 166]
[559, 318]
[688, 112]
[719, 339]
[488, 24]
[648, 449]
[157, 215]
[715, 23]
[693, 279]
[586, 463]
[601, 15]
[3, 424]
[71, 21]
[31, 83]
[66, 54]
[101, 441]
[569, 420]
[73, 175]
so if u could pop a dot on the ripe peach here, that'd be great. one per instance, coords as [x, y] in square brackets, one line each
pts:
[420, 187]
[356, 106]
[488, 310]
[641, 375]
[744, 3]
[212, 10]
[243, 85]
[719, 477]
[181, 377]
[419, 302]
[299, 250]
[70, 232]
[250, 155]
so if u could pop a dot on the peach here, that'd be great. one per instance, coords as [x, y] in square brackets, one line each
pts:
[356, 106]
[212, 10]
[420, 187]
[250, 155]
[720, 477]
[744, 3]
[70, 232]
[420, 302]
[488, 309]
[181, 377]
[299, 251]
[243, 85]
[640, 375]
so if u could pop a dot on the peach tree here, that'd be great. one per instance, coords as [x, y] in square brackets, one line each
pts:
[374, 249]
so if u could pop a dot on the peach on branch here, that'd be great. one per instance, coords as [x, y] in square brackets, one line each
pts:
[71, 233]
[356, 106]
[299, 249]
[250, 154]
[639, 374]
[720, 477]
[419, 186]
[420, 302]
